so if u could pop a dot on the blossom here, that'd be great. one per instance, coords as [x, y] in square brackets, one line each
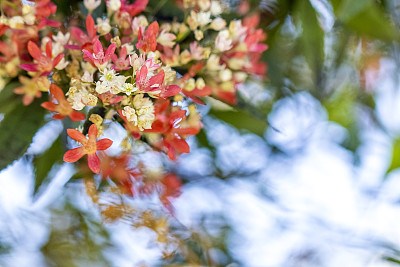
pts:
[62, 107]
[45, 63]
[103, 26]
[85, 41]
[98, 57]
[148, 41]
[122, 62]
[166, 39]
[91, 4]
[31, 88]
[148, 85]
[89, 147]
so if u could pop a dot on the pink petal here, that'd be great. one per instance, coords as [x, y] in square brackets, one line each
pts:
[97, 47]
[29, 67]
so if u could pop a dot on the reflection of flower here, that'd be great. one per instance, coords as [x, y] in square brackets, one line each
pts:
[89, 147]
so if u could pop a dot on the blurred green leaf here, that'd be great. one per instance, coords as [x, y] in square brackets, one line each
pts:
[395, 163]
[366, 18]
[241, 120]
[8, 99]
[76, 239]
[44, 162]
[341, 109]
[312, 36]
[17, 130]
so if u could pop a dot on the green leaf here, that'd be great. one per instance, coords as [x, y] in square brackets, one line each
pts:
[8, 99]
[44, 162]
[366, 18]
[17, 130]
[341, 109]
[241, 120]
[395, 156]
[312, 36]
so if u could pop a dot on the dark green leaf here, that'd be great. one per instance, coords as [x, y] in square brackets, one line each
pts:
[17, 130]
[366, 18]
[44, 162]
[312, 36]
[8, 99]
[241, 120]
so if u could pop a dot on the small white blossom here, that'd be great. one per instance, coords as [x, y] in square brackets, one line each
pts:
[91, 4]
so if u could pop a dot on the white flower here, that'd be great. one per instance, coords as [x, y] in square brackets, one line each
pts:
[114, 5]
[166, 39]
[129, 88]
[223, 42]
[16, 22]
[103, 26]
[144, 110]
[62, 64]
[61, 38]
[130, 114]
[218, 24]
[91, 4]
[216, 8]
[87, 77]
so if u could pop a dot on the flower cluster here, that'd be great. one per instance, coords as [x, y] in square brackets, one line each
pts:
[126, 70]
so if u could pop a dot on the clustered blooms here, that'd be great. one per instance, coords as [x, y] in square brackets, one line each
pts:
[121, 68]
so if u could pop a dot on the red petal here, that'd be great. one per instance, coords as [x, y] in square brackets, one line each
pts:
[77, 136]
[94, 163]
[76, 116]
[49, 48]
[34, 50]
[180, 145]
[57, 60]
[170, 91]
[78, 35]
[49, 106]
[110, 51]
[97, 47]
[92, 132]
[88, 55]
[74, 155]
[29, 67]
[91, 29]
[103, 144]
[157, 79]
[27, 99]
[58, 117]
[57, 93]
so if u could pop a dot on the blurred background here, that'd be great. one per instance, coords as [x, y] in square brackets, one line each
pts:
[303, 172]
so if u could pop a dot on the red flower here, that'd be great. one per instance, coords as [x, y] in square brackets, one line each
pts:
[171, 189]
[151, 84]
[89, 147]
[45, 62]
[85, 41]
[148, 41]
[98, 58]
[121, 62]
[134, 9]
[44, 8]
[63, 107]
